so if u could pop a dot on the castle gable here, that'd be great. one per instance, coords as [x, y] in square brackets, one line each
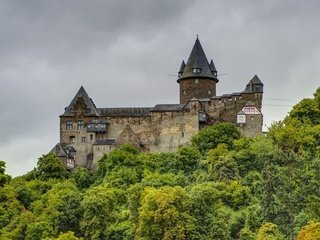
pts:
[81, 104]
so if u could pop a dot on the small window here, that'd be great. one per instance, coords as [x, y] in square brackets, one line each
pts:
[182, 134]
[80, 124]
[83, 139]
[209, 92]
[69, 125]
[72, 139]
[91, 137]
[196, 70]
[196, 81]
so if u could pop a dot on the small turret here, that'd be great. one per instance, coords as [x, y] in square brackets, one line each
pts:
[213, 68]
[183, 65]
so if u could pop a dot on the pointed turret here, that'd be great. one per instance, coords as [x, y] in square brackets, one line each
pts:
[254, 85]
[197, 78]
[198, 65]
[213, 68]
[82, 102]
[181, 68]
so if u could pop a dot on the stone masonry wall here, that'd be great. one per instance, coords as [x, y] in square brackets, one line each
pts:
[196, 88]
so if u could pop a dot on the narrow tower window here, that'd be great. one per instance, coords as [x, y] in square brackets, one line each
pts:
[209, 92]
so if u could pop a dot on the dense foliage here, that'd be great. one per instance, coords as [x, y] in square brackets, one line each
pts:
[223, 186]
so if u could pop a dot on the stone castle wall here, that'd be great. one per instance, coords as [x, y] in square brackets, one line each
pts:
[159, 132]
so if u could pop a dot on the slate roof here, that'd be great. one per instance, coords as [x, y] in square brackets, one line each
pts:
[169, 107]
[90, 106]
[256, 80]
[212, 66]
[107, 141]
[124, 112]
[198, 59]
[62, 150]
[183, 64]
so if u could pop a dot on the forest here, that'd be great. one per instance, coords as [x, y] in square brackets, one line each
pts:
[223, 186]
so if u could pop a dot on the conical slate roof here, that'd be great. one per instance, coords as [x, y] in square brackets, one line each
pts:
[212, 66]
[198, 59]
[90, 107]
[182, 67]
[256, 80]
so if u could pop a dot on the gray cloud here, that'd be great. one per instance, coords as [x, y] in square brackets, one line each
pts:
[124, 53]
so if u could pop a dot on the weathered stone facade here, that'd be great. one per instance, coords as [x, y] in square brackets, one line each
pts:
[92, 131]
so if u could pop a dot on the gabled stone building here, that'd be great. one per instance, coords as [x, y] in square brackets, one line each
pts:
[89, 131]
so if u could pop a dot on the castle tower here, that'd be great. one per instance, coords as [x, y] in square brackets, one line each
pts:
[255, 86]
[197, 78]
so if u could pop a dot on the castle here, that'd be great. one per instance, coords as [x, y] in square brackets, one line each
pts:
[87, 132]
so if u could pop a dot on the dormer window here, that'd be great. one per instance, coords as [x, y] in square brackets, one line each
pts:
[196, 70]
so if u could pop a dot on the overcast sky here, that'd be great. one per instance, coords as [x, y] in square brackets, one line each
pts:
[126, 53]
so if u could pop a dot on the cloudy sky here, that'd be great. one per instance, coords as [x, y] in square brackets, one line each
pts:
[126, 53]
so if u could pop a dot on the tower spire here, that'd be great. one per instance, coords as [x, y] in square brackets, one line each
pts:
[198, 65]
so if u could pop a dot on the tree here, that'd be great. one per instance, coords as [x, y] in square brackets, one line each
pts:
[98, 205]
[163, 214]
[189, 158]
[38, 231]
[82, 177]
[4, 178]
[212, 217]
[17, 227]
[68, 236]
[59, 207]
[50, 166]
[221, 165]
[310, 232]
[209, 137]
[269, 231]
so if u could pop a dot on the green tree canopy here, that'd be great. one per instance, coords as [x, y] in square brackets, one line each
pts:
[209, 137]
